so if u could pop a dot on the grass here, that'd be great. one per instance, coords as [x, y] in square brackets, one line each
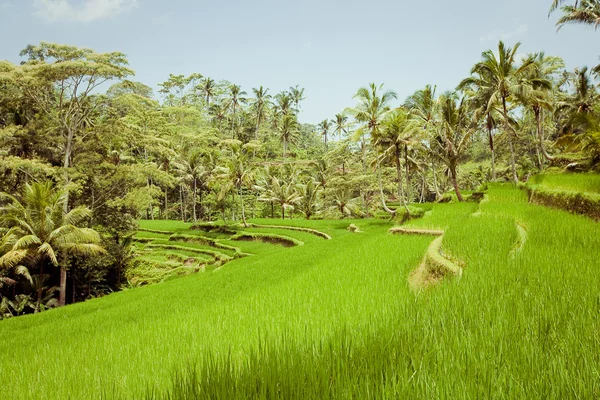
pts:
[336, 318]
[569, 182]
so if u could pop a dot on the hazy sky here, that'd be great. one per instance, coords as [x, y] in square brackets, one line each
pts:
[330, 48]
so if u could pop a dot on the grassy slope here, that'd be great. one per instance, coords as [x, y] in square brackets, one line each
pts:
[336, 317]
[569, 182]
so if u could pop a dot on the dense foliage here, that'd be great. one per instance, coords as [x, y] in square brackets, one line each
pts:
[85, 152]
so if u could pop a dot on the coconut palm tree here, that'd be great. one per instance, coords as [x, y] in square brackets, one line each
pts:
[234, 101]
[423, 106]
[45, 232]
[585, 12]
[480, 89]
[280, 192]
[236, 172]
[454, 129]
[505, 80]
[538, 95]
[297, 95]
[260, 102]
[324, 126]
[373, 104]
[193, 171]
[208, 87]
[399, 130]
[340, 125]
[309, 201]
[289, 129]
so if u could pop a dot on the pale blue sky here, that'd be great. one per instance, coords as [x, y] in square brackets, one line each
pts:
[328, 47]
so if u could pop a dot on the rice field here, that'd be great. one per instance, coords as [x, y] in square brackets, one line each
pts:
[337, 318]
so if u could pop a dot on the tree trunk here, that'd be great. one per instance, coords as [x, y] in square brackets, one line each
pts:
[435, 185]
[194, 200]
[242, 204]
[510, 143]
[166, 213]
[408, 188]
[385, 207]
[181, 202]
[63, 287]
[272, 210]
[455, 184]
[400, 182]
[491, 139]
[282, 211]
[540, 131]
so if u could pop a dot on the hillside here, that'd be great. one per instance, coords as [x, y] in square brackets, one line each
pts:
[335, 317]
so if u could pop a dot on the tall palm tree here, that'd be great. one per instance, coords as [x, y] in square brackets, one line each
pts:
[480, 89]
[280, 192]
[324, 127]
[398, 131]
[193, 171]
[538, 95]
[454, 130]
[208, 87]
[260, 103]
[289, 129]
[373, 104]
[237, 174]
[423, 104]
[283, 104]
[505, 80]
[235, 99]
[309, 200]
[340, 125]
[45, 232]
[585, 12]
[297, 95]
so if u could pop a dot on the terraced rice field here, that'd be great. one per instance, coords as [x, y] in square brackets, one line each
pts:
[338, 317]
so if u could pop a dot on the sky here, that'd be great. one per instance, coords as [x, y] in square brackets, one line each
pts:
[330, 48]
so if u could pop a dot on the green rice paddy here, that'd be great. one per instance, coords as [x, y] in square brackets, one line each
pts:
[337, 318]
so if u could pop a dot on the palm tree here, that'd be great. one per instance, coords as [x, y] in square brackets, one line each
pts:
[193, 171]
[504, 80]
[288, 131]
[538, 94]
[309, 192]
[208, 87]
[260, 102]
[283, 104]
[585, 12]
[340, 125]
[297, 95]
[46, 232]
[370, 111]
[453, 133]
[324, 127]
[481, 90]
[236, 173]
[398, 131]
[235, 99]
[283, 193]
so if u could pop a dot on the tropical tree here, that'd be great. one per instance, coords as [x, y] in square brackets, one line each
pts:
[324, 126]
[193, 171]
[585, 12]
[505, 80]
[399, 131]
[45, 232]
[289, 129]
[234, 100]
[208, 87]
[280, 192]
[297, 95]
[538, 95]
[340, 125]
[371, 109]
[309, 200]
[260, 103]
[454, 129]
